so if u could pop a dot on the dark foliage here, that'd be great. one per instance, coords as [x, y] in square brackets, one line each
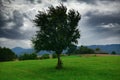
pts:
[57, 30]
[113, 52]
[45, 56]
[54, 55]
[84, 50]
[26, 56]
[6, 54]
[97, 49]
[71, 49]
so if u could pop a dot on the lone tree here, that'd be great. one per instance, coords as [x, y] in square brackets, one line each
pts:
[57, 30]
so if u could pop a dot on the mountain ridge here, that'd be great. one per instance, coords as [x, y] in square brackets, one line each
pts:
[107, 48]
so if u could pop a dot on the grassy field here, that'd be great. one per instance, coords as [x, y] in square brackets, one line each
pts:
[75, 68]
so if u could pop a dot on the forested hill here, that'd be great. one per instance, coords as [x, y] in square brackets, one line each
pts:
[107, 48]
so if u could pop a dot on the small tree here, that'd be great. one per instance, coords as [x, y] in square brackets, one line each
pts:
[97, 49]
[113, 52]
[6, 54]
[57, 30]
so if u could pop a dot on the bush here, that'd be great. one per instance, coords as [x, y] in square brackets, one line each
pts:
[6, 54]
[54, 55]
[84, 50]
[26, 56]
[113, 52]
[45, 56]
[62, 55]
[104, 53]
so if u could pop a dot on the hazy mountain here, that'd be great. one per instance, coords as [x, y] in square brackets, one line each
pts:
[19, 50]
[106, 48]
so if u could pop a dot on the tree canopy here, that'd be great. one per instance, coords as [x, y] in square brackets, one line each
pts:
[6, 54]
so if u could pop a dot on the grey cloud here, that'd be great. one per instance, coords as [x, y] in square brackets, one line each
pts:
[34, 1]
[88, 1]
[14, 32]
[95, 1]
[28, 16]
[17, 18]
[11, 34]
[95, 23]
[2, 21]
[8, 1]
[31, 1]
[64, 0]
[112, 29]
[39, 1]
[3, 15]
[95, 20]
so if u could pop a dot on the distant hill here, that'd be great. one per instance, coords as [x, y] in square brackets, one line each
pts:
[19, 50]
[107, 48]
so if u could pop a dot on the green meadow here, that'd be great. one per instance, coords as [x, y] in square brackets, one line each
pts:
[75, 68]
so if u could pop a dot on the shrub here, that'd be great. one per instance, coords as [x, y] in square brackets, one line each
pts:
[104, 53]
[113, 52]
[62, 55]
[84, 50]
[54, 55]
[45, 56]
[26, 56]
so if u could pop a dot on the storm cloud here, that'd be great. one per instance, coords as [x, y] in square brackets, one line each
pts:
[105, 21]
[10, 28]
[100, 23]
[12, 23]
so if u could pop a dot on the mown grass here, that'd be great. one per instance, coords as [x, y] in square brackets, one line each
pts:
[75, 68]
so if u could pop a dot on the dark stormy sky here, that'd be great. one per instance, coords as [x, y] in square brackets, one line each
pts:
[100, 22]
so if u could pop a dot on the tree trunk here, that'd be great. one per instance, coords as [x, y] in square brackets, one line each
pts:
[59, 64]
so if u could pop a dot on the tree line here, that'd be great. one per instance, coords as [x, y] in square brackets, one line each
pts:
[7, 54]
